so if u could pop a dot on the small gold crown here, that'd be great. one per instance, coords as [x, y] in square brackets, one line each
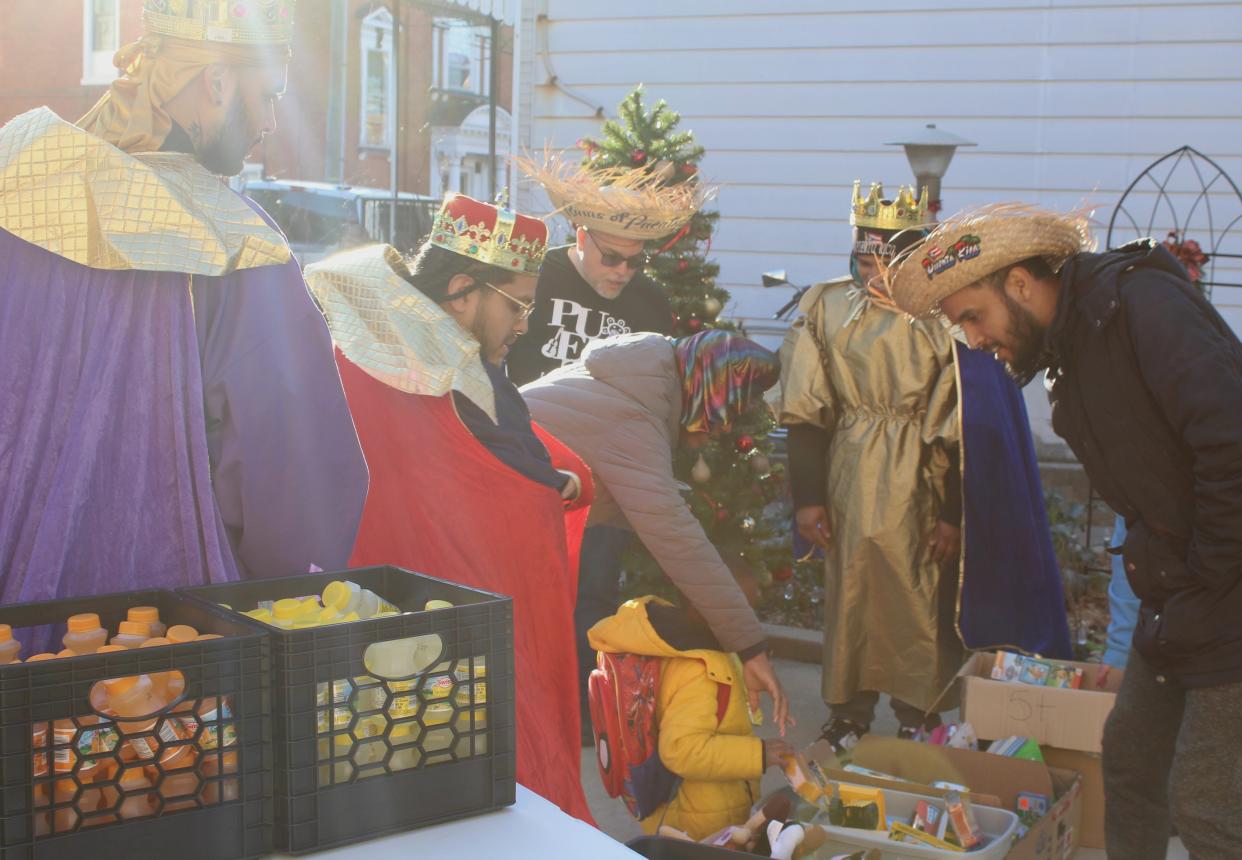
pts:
[881, 214]
[237, 22]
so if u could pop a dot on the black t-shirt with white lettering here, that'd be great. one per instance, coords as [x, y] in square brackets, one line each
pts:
[569, 315]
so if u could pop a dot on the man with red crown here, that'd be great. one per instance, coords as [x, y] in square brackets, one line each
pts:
[465, 488]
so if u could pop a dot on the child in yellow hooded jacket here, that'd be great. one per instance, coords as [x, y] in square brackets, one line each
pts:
[719, 762]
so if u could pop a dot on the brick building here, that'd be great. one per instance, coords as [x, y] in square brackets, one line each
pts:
[336, 122]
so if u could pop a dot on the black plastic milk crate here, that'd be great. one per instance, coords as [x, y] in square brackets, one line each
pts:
[365, 747]
[73, 785]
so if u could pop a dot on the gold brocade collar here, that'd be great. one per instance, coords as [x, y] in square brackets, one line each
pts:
[81, 198]
[395, 333]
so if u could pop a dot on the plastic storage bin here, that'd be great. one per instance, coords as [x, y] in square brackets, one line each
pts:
[392, 723]
[998, 824]
[191, 780]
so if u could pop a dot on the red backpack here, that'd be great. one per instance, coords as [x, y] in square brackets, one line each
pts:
[622, 694]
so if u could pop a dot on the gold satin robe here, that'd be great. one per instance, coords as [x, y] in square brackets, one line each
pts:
[886, 391]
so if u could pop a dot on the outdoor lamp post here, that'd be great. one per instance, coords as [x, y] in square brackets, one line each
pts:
[929, 152]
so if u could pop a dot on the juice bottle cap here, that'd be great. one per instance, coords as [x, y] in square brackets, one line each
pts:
[203, 636]
[156, 640]
[6, 633]
[433, 605]
[66, 652]
[84, 623]
[340, 593]
[135, 628]
[179, 633]
[144, 613]
[287, 608]
[108, 649]
[46, 655]
[329, 615]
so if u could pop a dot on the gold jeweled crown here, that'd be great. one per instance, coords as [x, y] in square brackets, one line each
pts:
[881, 214]
[237, 22]
[490, 234]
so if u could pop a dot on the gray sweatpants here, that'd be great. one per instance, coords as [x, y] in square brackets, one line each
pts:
[1169, 751]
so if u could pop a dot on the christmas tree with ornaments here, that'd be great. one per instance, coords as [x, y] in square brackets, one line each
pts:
[734, 488]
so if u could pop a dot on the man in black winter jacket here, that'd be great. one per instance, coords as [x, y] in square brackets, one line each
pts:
[1145, 381]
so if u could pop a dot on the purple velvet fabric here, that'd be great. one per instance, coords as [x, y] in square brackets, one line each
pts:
[124, 396]
[105, 481]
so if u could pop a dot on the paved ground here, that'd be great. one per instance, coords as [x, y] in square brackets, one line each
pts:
[802, 682]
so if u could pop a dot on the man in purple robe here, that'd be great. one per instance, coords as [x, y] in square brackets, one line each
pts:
[170, 409]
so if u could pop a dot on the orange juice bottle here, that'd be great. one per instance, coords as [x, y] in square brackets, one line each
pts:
[215, 763]
[133, 696]
[97, 794]
[132, 634]
[85, 636]
[138, 802]
[9, 647]
[65, 814]
[149, 614]
[180, 784]
[168, 685]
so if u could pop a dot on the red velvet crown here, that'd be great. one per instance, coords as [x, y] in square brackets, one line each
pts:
[499, 237]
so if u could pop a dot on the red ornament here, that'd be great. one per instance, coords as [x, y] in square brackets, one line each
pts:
[638, 156]
[744, 444]
[694, 324]
[682, 265]
[722, 514]
[689, 169]
[783, 573]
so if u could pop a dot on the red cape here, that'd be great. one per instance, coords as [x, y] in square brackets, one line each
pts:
[441, 504]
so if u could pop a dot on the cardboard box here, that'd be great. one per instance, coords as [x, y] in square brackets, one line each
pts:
[1092, 770]
[992, 780]
[1059, 717]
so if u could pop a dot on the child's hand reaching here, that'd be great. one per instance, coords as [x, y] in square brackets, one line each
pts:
[775, 752]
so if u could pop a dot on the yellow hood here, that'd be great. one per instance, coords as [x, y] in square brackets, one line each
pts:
[629, 631]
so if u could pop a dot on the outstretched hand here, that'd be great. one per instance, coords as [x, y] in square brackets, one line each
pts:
[759, 677]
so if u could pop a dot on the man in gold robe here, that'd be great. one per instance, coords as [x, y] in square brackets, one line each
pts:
[898, 436]
[869, 400]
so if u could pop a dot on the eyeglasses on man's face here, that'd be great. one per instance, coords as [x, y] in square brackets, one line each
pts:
[525, 309]
[611, 259]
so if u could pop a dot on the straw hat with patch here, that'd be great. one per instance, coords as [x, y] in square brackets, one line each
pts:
[978, 242]
[629, 203]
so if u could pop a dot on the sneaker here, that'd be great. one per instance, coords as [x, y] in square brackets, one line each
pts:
[843, 734]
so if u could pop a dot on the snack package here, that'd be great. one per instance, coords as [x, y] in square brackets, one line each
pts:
[930, 818]
[962, 820]
[803, 779]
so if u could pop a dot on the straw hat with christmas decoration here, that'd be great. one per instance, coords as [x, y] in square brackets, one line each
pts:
[978, 242]
[633, 203]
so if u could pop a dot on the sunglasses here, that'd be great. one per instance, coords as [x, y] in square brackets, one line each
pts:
[525, 309]
[611, 259]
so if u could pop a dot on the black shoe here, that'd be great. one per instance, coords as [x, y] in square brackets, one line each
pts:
[843, 734]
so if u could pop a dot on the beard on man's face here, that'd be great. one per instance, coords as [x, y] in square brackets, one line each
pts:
[1026, 341]
[225, 155]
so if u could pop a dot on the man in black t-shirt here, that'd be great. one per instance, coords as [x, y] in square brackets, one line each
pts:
[587, 291]
[591, 290]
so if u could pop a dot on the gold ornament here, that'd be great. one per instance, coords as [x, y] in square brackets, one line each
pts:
[701, 473]
[760, 463]
[712, 307]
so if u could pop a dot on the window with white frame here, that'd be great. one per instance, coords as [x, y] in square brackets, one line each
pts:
[377, 80]
[101, 38]
[462, 54]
